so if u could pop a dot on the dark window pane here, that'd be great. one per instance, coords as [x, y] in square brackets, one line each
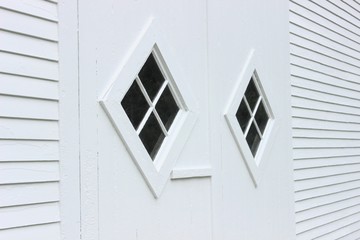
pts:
[151, 77]
[135, 105]
[152, 136]
[253, 139]
[243, 115]
[252, 94]
[167, 108]
[261, 117]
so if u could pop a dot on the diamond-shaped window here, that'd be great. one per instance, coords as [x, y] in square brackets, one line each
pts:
[251, 119]
[252, 116]
[150, 106]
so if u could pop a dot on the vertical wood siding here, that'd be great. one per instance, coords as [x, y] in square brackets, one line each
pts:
[29, 149]
[325, 78]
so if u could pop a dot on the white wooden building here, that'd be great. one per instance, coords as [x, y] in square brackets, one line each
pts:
[184, 119]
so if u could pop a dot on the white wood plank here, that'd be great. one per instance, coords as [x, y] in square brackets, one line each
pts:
[325, 31]
[325, 223]
[28, 108]
[39, 8]
[319, 66]
[26, 45]
[323, 87]
[326, 207]
[303, 46]
[22, 194]
[323, 39]
[326, 181]
[28, 129]
[28, 66]
[16, 150]
[28, 87]
[28, 172]
[45, 231]
[324, 115]
[315, 153]
[350, 7]
[349, 232]
[322, 77]
[320, 162]
[318, 232]
[332, 59]
[326, 191]
[325, 106]
[325, 19]
[324, 143]
[323, 124]
[327, 15]
[325, 134]
[69, 112]
[28, 25]
[324, 96]
[12, 217]
[325, 171]
[349, 17]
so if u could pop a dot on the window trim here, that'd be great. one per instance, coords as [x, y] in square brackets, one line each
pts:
[156, 173]
[255, 164]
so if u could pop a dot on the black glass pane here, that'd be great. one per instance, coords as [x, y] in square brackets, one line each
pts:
[167, 108]
[253, 139]
[151, 77]
[252, 94]
[243, 115]
[152, 136]
[261, 117]
[135, 105]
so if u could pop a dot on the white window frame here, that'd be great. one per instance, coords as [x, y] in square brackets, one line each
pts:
[255, 164]
[156, 173]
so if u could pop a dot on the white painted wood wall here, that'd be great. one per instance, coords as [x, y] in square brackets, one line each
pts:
[325, 74]
[29, 149]
[325, 77]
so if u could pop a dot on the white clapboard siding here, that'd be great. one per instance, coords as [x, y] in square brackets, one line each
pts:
[22, 194]
[23, 172]
[12, 128]
[38, 8]
[27, 45]
[29, 131]
[21, 107]
[33, 214]
[325, 80]
[28, 150]
[28, 66]
[43, 231]
[326, 191]
[31, 87]
[28, 25]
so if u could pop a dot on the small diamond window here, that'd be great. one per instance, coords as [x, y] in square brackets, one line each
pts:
[150, 106]
[252, 115]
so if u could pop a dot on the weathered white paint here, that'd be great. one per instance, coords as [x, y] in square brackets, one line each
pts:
[29, 148]
[325, 72]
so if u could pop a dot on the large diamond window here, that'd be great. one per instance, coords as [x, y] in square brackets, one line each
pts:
[250, 118]
[150, 106]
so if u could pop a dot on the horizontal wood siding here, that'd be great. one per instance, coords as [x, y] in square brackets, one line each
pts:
[29, 132]
[325, 78]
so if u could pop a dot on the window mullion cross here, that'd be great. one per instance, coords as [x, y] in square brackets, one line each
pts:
[152, 106]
